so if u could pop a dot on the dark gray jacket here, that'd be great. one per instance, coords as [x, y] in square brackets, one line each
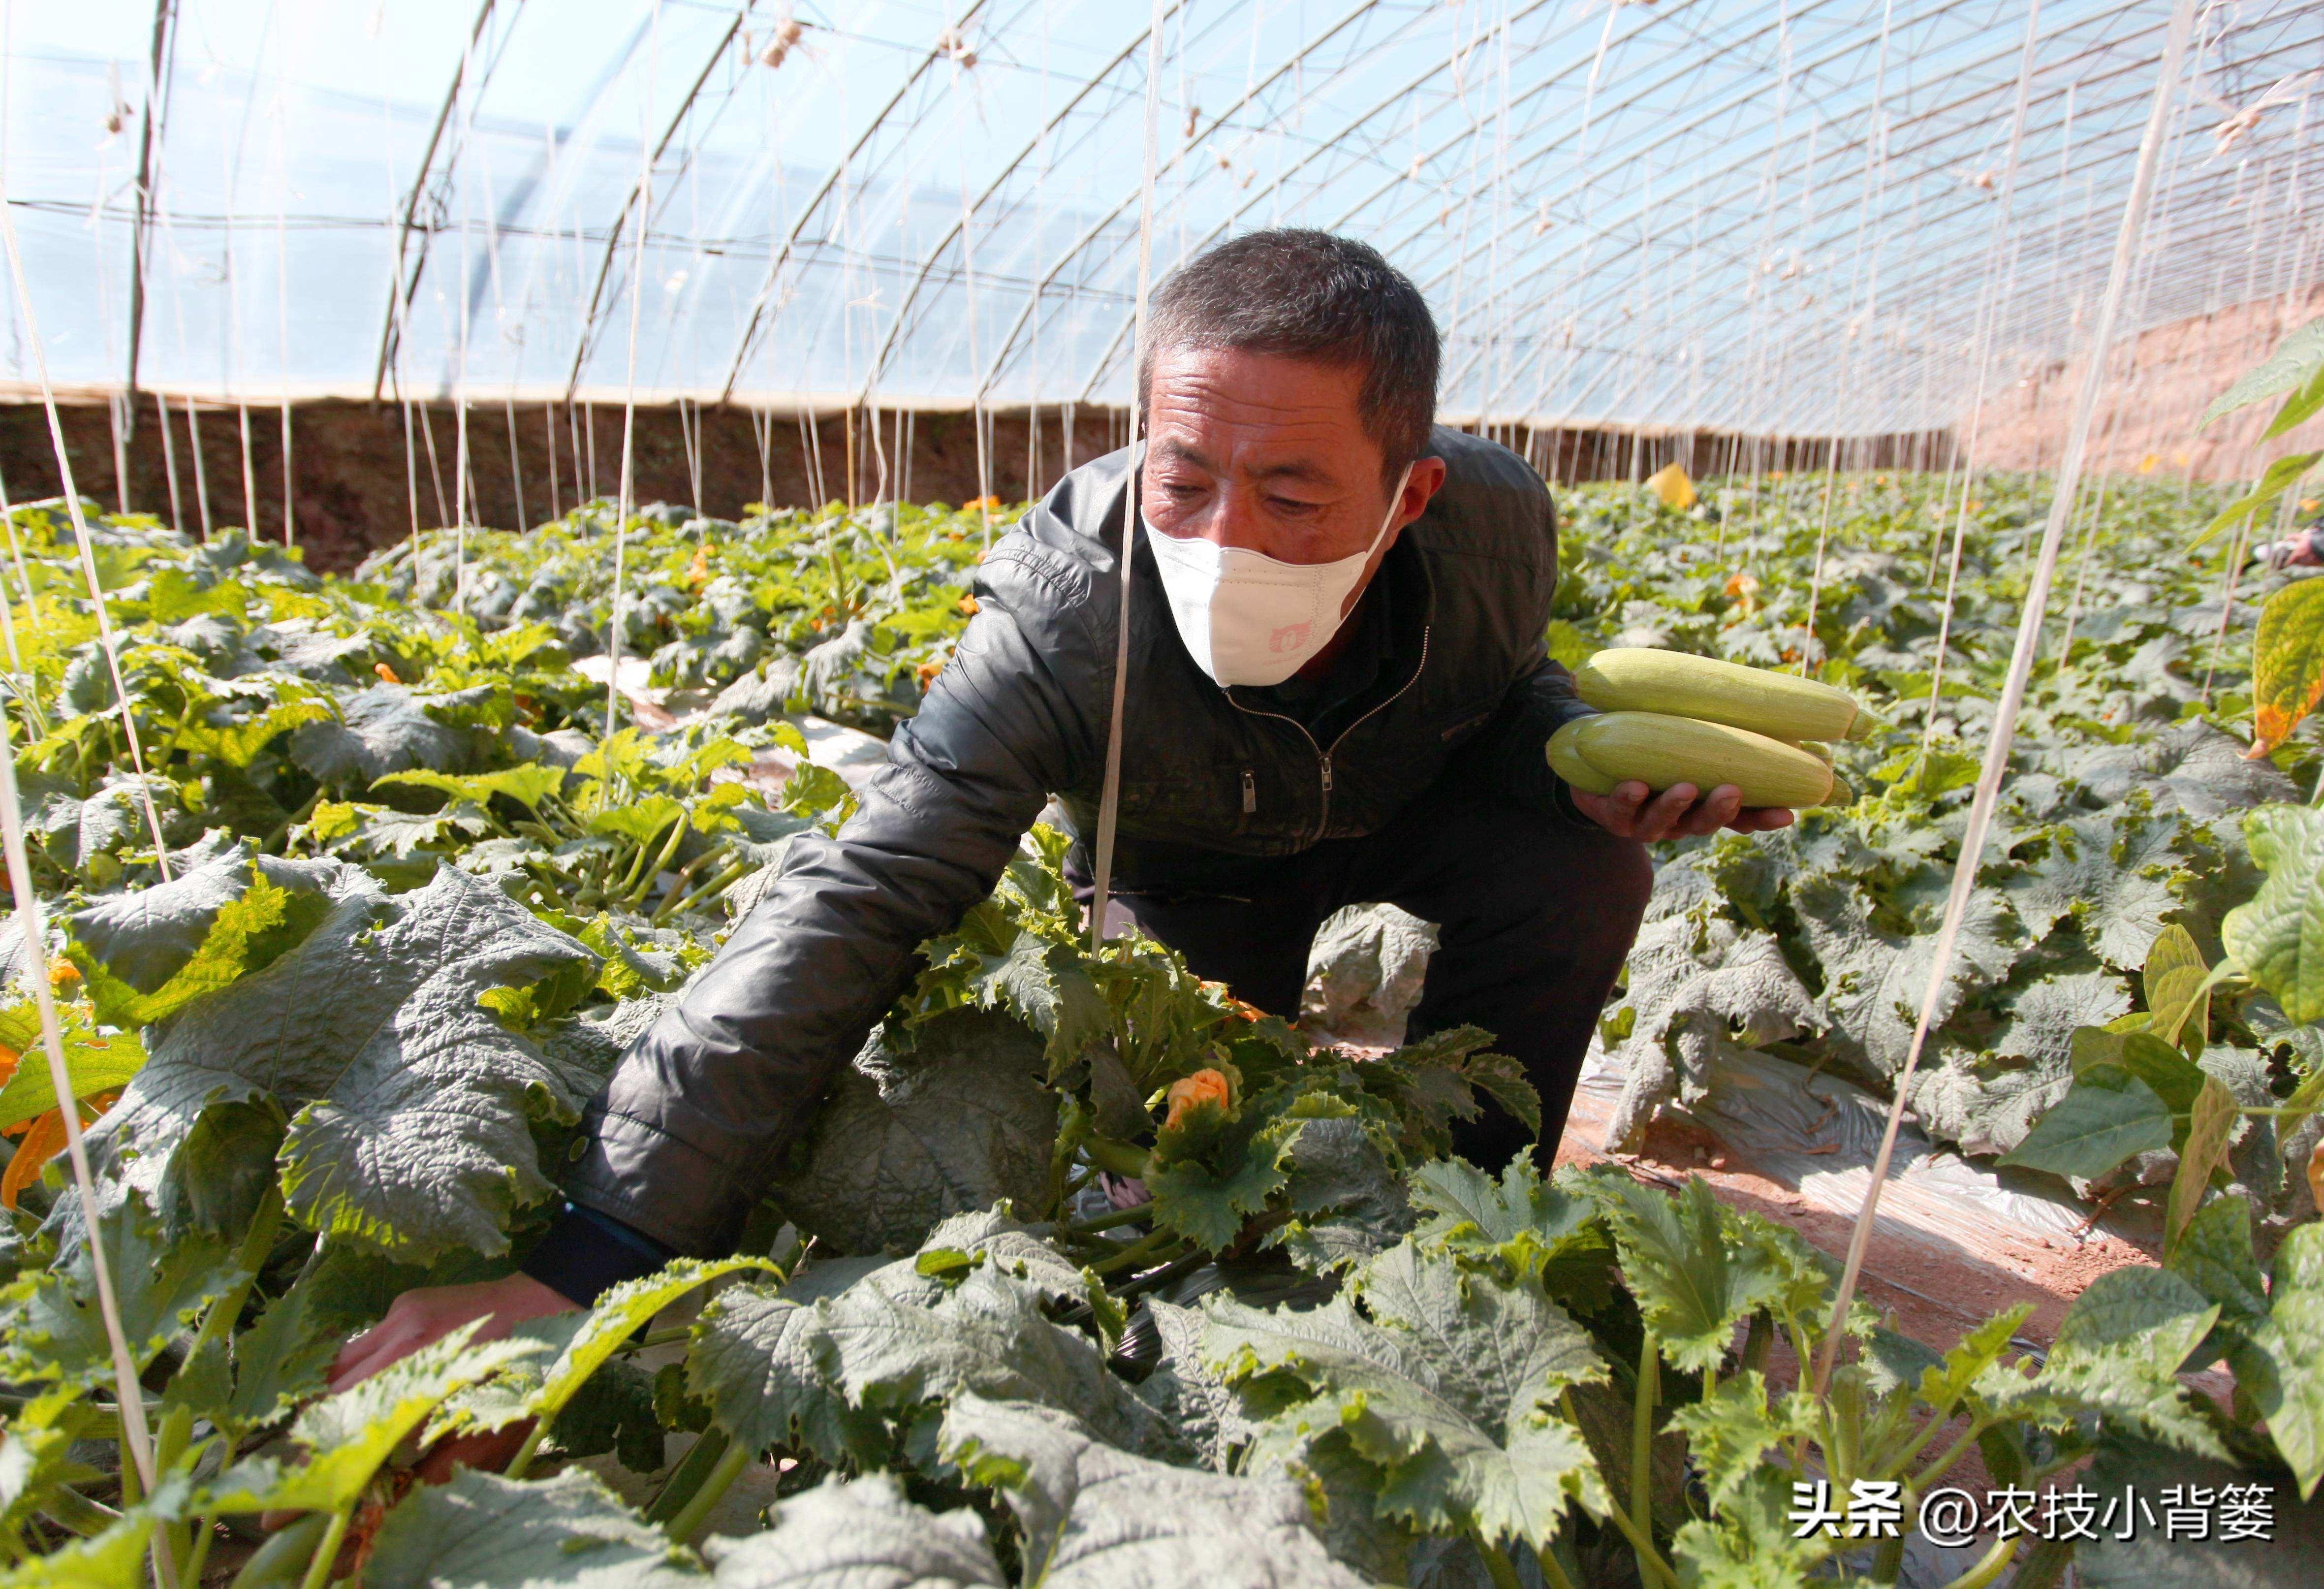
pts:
[1451, 677]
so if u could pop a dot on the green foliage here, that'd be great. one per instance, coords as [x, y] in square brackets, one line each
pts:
[2277, 937]
[421, 899]
[2296, 366]
[2287, 659]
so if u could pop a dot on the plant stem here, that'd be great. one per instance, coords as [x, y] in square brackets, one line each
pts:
[1504, 1572]
[217, 1324]
[682, 825]
[1131, 1255]
[686, 875]
[1644, 1545]
[275, 1560]
[524, 1453]
[688, 1521]
[292, 821]
[1945, 1460]
[1108, 1221]
[1553, 1571]
[717, 885]
[75, 1512]
[197, 1552]
[318, 1569]
[1990, 1566]
[1642, 1447]
[169, 1444]
[692, 1469]
[2043, 1565]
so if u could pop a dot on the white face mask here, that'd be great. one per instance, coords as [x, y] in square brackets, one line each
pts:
[1248, 618]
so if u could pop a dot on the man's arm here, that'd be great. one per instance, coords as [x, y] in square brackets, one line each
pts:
[688, 1130]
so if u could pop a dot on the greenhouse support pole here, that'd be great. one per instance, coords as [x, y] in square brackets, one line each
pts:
[2021, 665]
[399, 291]
[157, 70]
[1108, 809]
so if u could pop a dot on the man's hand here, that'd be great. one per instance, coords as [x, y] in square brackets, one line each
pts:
[1635, 811]
[420, 1317]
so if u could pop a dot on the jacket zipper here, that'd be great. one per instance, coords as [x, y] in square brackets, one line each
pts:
[1250, 792]
[1323, 757]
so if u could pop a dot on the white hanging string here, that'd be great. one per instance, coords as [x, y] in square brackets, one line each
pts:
[80, 528]
[1990, 308]
[628, 501]
[130, 1395]
[460, 491]
[1108, 809]
[170, 461]
[282, 118]
[135, 1433]
[2021, 664]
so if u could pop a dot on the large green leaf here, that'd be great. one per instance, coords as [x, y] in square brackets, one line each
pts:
[2277, 937]
[2297, 360]
[51, 1328]
[147, 941]
[1095, 1518]
[765, 1366]
[2177, 983]
[411, 1107]
[113, 1559]
[2211, 1121]
[390, 728]
[349, 1436]
[1693, 1283]
[1188, 1392]
[2118, 1352]
[859, 1534]
[2105, 1117]
[2287, 661]
[528, 784]
[2291, 1397]
[97, 1060]
[1728, 1433]
[987, 1335]
[2278, 478]
[1346, 1200]
[1446, 1381]
[150, 954]
[582, 1342]
[956, 1120]
[481, 1531]
[2116, 875]
[2141, 1555]
[1875, 976]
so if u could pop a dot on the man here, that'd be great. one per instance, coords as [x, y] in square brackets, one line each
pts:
[1337, 691]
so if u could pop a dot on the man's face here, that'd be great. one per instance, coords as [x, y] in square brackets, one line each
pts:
[1270, 454]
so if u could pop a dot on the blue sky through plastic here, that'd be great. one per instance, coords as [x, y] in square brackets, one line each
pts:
[1785, 216]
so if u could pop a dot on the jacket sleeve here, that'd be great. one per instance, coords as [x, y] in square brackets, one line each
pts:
[687, 1132]
[1508, 754]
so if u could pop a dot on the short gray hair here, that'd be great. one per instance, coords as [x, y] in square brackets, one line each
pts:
[1310, 295]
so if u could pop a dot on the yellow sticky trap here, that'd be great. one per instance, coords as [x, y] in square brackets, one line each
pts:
[1670, 482]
